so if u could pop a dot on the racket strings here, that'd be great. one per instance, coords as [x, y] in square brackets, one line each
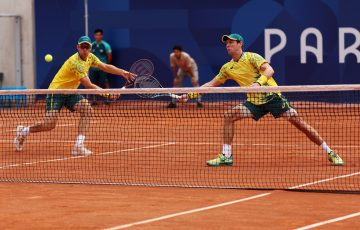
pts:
[142, 67]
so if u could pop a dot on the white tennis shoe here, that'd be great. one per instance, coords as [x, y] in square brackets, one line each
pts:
[80, 150]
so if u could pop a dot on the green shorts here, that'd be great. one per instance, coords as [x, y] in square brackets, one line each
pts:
[57, 101]
[99, 77]
[277, 105]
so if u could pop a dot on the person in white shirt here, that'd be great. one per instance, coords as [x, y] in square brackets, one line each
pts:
[182, 65]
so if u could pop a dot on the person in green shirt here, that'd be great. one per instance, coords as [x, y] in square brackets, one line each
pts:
[102, 50]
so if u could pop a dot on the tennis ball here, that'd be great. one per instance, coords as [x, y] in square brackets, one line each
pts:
[48, 58]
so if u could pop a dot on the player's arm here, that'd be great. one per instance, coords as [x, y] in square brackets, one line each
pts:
[176, 81]
[115, 70]
[267, 73]
[85, 81]
[108, 52]
[174, 71]
[213, 83]
[189, 69]
[109, 57]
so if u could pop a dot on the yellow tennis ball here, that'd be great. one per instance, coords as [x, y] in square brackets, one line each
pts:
[48, 58]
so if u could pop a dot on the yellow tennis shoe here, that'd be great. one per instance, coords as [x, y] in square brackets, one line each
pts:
[335, 159]
[221, 159]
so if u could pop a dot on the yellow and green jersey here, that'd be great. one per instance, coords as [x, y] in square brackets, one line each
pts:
[245, 72]
[74, 68]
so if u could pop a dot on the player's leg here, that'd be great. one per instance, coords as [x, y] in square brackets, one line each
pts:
[54, 104]
[195, 83]
[247, 110]
[177, 84]
[285, 110]
[79, 104]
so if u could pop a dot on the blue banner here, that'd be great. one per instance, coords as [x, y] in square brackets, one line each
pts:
[306, 42]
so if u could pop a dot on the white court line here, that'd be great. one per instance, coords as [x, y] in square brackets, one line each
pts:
[75, 157]
[328, 221]
[187, 212]
[228, 203]
[59, 125]
[193, 210]
[87, 141]
[324, 180]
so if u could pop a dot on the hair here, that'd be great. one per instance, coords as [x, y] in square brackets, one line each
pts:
[177, 47]
[98, 31]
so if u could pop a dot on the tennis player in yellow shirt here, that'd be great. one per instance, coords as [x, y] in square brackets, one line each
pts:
[250, 69]
[73, 73]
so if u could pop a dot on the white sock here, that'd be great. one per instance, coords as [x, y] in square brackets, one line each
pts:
[227, 150]
[25, 131]
[326, 147]
[80, 140]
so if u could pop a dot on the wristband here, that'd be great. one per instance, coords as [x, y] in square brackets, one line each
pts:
[262, 80]
[193, 95]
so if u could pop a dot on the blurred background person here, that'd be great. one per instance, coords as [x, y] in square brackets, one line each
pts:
[102, 50]
[182, 65]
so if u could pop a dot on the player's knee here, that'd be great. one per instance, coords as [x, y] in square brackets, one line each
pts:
[229, 116]
[291, 114]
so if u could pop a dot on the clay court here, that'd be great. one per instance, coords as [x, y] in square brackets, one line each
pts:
[57, 206]
[164, 157]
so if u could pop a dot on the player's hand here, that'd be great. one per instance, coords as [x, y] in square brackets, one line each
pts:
[183, 98]
[176, 81]
[114, 97]
[129, 76]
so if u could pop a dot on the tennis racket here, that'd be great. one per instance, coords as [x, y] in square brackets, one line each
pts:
[148, 81]
[142, 67]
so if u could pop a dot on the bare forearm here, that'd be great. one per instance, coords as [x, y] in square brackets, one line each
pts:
[212, 83]
[268, 73]
[113, 70]
[174, 71]
[90, 85]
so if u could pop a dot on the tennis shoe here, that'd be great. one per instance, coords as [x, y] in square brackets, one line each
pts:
[80, 150]
[335, 159]
[221, 159]
[20, 138]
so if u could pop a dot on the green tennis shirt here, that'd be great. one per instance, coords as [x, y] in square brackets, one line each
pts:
[100, 50]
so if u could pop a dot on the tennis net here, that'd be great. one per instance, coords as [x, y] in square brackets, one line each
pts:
[139, 141]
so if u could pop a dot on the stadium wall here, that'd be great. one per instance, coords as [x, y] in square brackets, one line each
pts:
[7, 58]
[318, 40]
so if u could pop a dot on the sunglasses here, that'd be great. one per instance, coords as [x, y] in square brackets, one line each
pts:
[85, 47]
